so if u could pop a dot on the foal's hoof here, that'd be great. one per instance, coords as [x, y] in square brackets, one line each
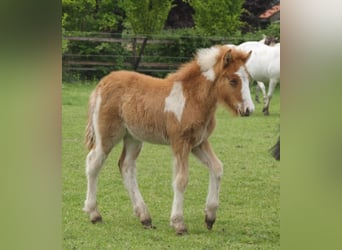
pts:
[148, 224]
[209, 222]
[181, 231]
[265, 111]
[96, 219]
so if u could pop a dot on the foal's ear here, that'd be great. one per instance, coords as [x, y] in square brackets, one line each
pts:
[227, 59]
[248, 56]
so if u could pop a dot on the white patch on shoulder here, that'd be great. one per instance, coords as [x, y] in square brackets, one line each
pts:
[206, 59]
[175, 102]
[245, 91]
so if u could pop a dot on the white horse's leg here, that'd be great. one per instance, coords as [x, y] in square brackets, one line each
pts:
[94, 162]
[263, 89]
[273, 83]
[180, 181]
[207, 156]
[127, 167]
[257, 93]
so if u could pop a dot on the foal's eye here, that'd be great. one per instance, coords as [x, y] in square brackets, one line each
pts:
[233, 82]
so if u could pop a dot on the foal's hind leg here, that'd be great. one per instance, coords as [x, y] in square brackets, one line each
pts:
[127, 167]
[207, 156]
[106, 136]
[95, 160]
[94, 163]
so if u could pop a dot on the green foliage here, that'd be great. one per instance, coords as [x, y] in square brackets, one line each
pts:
[64, 42]
[272, 30]
[249, 212]
[146, 16]
[89, 51]
[180, 47]
[217, 17]
[91, 15]
[217, 22]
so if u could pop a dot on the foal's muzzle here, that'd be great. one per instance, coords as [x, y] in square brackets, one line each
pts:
[245, 113]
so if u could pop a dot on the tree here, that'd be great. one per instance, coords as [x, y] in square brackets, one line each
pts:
[217, 17]
[180, 16]
[146, 16]
[92, 15]
[252, 10]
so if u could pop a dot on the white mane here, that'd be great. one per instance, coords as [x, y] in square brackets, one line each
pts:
[207, 58]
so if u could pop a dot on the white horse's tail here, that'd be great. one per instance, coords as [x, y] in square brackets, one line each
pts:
[90, 134]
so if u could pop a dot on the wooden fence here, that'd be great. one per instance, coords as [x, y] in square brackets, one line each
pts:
[136, 58]
[72, 62]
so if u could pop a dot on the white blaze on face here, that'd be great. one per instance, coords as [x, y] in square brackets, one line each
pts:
[245, 91]
[206, 59]
[175, 102]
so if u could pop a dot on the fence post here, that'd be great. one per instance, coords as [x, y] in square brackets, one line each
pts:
[137, 60]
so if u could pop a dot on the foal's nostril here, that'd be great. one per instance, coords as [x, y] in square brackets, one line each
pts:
[247, 112]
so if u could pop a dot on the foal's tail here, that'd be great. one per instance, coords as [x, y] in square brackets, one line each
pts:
[90, 134]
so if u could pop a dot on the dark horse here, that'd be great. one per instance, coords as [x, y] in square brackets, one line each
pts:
[275, 150]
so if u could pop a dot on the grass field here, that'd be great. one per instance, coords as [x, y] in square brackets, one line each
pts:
[249, 212]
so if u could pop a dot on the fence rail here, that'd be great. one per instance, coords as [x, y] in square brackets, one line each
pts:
[116, 40]
[72, 62]
[138, 60]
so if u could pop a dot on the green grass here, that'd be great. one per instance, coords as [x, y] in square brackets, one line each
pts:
[249, 212]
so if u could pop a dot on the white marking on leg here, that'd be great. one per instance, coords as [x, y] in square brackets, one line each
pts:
[213, 195]
[245, 91]
[179, 186]
[175, 102]
[132, 149]
[177, 203]
[94, 162]
[206, 59]
[207, 156]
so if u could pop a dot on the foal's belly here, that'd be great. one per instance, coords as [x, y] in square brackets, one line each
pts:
[150, 135]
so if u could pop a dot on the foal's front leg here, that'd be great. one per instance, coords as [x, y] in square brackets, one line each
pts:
[180, 181]
[207, 156]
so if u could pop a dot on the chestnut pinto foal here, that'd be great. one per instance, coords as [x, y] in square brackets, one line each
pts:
[179, 111]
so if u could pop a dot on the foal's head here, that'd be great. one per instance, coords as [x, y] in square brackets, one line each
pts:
[232, 79]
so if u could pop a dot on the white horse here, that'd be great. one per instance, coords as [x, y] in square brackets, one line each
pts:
[264, 67]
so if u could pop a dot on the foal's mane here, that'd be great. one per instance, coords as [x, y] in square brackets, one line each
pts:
[185, 72]
[203, 60]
